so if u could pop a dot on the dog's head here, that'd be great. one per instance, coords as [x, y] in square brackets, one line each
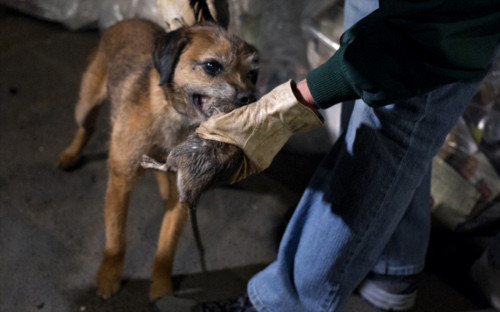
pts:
[205, 70]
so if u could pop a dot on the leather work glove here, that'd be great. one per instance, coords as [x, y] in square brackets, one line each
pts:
[262, 128]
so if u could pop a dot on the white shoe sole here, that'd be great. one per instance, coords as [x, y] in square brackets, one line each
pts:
[487, 279]
[384, 300]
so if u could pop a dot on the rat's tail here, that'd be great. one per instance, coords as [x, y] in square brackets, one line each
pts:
[197, 236]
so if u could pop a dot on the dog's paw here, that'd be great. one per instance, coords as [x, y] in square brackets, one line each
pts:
[160, 288]
[67, 161]
[108, 278]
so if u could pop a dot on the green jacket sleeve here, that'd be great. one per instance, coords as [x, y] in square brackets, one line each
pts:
[409, 47]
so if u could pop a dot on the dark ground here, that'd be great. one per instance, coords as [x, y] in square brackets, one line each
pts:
[51, 225]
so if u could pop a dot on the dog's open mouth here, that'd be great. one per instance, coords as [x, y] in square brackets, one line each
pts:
[198, 102]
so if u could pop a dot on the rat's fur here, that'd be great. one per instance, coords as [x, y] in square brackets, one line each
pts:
[200, 164]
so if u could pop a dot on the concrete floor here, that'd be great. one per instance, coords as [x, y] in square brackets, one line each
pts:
[51, 225]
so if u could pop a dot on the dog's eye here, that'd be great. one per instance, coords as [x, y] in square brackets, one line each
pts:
[212, 68]
[253, 75]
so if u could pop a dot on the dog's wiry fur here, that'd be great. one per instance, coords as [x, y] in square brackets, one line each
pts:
[160, 86]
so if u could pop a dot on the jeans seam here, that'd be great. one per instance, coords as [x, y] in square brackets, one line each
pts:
[255, 299]
[326, 306]
[399, 271]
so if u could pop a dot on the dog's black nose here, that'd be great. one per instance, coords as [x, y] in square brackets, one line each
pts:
[245, 98]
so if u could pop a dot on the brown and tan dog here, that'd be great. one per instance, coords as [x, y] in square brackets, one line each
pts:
[161, 86]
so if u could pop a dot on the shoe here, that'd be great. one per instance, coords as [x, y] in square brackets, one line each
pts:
[239, 304]
[390, 292]
[171, 303]
[487, 278]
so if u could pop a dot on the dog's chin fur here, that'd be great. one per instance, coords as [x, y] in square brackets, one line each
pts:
[209, 106]
[196, 105]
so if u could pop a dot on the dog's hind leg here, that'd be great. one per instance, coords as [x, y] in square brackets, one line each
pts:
[92, 95]
[174, 218]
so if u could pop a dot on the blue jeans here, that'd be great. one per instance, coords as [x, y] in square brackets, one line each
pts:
[367, 207]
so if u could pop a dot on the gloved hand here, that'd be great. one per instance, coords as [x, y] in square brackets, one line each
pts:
[261, 128]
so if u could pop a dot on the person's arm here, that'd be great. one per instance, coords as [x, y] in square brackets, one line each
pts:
[303, 94]
[407, 48]
[401, 50]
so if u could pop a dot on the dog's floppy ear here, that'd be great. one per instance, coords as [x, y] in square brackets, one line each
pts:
[168, 47]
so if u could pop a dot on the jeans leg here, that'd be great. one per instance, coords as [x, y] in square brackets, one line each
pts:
[357, 9]
[356, 200]
[406, 250]
[494, 251]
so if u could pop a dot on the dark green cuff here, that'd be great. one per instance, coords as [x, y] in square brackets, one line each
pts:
[328, 83]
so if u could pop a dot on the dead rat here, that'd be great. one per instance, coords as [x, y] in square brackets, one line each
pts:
[200, 164]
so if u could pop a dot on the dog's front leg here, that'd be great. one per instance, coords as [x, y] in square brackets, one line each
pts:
[174, 218]
[115, 217]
